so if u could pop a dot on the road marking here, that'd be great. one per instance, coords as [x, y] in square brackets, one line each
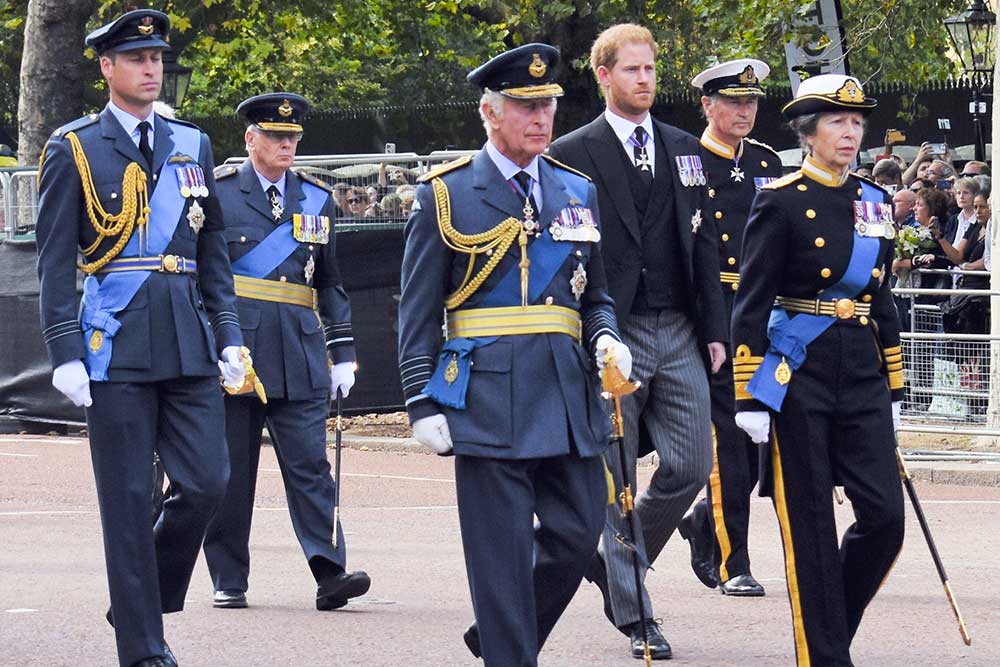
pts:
[19, 611]
[399, 477]
[20, 456]
[34, 439]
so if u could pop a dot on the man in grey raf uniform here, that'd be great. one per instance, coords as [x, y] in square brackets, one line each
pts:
[295, 316]
[132, 192]
[736, 167]
[513, 390]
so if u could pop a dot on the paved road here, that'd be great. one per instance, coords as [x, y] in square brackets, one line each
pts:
[402, 528]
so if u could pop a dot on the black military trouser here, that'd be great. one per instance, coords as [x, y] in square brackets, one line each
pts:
[835, 427]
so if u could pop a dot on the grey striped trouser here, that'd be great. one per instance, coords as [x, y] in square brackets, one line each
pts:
[674, 406]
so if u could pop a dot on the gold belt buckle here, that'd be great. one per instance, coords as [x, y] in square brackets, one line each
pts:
[170, 263]
[844, 308]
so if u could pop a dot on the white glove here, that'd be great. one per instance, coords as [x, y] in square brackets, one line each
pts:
[897, 409]
[432, 432]
[342, 378]
[622, 356]
[234, 374]
[756, 424]
[73, 381]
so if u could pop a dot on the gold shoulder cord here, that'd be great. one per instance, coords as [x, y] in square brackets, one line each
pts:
[135, 207]
[498, 239]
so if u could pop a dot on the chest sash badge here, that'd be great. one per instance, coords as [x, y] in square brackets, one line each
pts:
[309, 270]
[696, 221]
[196, 216]
[578, 283]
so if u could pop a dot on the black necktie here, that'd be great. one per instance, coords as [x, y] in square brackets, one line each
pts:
[144, 148]
[523, 179]
[275, 200]
[641, 155]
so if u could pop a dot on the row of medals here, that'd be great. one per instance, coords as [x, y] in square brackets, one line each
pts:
[578, 283]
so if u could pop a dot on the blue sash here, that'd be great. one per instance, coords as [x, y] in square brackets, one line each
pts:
[790, 336]
[280, 243]
[546, 256]
[103, 300]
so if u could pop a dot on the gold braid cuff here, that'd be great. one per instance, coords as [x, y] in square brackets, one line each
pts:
[744, 366]
[894, 365]
[493, 242]
[135, 207]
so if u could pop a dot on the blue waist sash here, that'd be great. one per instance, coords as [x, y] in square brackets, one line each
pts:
[280, 243]
[546, 256]
[103, 300]
[789, 337]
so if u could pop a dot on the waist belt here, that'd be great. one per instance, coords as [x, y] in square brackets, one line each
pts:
[844, 309]
[275, 290]
[513, 321]
[161, 263]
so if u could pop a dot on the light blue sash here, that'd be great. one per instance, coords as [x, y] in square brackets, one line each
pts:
[546, 256]
[790, 336]
[103, 300]
[280, 243]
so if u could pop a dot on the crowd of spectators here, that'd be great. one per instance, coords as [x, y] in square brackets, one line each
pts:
[386, 199]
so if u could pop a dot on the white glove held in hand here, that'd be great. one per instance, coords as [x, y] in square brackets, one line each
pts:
[231, 367]
[342, 377]
[897, 409]
[432, 432]
[756, 424]
[72, 380]
[622, 356]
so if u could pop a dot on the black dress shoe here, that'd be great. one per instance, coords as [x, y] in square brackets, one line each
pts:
[597, 574]
[471, 638]
[110, 619]
[742, 585]
[642, 631]
[230, 599]
[702, 551]
[157, 661]
[334, 592]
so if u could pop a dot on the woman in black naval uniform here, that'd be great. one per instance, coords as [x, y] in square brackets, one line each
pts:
[818, 367]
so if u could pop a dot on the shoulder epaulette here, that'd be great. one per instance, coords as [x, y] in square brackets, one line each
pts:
[869, 181]
[787, 179]
[762, 145]
[180, 122]
[75, 125]
[315, 180]
[224, 171]
[443, 169]
[565, 166]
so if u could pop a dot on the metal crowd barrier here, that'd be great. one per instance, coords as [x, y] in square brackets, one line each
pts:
[19, 198]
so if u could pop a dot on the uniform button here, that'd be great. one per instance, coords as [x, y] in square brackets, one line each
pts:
[876, 273]
[810, 213]
[725, 237]
[154, 177]
[731, 261]
[866, 298]
[863, 320]
[859, 192]
[548, 301]
[489, 252]
[711, 193]
[735, 286]
[310, 248]
[820, 242]
[283, 279]
[763, 163]
[114, 195]
[644, 272]
[243, 239]
[825, 272]
[802, 187]
[579, 253]
[718, 215]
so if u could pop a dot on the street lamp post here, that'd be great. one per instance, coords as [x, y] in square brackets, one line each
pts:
[971, 34]
[176, 78]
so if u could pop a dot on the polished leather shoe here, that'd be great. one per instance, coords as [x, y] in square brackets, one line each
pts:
[471, 638]
[334, 592]
[109, 618]
[597, 574]
[702, 551]
[742, 585]
[230, 599]
[157, 661]
[659, 647]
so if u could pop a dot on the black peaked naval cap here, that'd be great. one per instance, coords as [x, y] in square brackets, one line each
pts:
[275, 112]
[138, 29]
[527, 72]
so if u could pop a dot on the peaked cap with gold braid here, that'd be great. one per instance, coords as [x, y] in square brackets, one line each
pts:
[275, 112]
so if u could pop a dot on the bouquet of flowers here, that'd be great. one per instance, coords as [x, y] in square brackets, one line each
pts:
[912, 241]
